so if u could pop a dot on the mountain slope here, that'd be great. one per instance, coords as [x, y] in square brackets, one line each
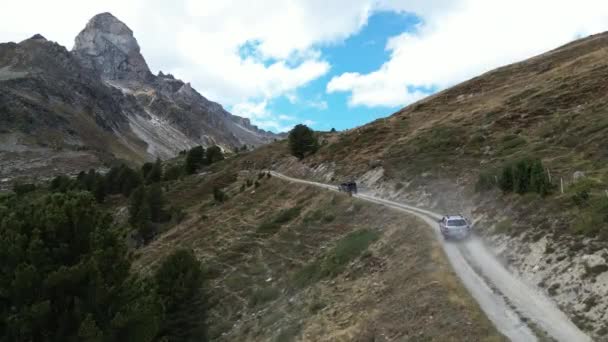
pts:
[102, 101]
[432, 154]
[288, 262]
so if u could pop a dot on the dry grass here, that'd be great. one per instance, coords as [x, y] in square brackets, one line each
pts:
[383, 268]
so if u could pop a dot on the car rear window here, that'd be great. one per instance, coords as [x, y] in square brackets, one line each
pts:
[457, 223]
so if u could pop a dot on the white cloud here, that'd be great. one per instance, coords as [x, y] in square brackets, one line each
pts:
[259, 113]
[202, 41]
[465, 38]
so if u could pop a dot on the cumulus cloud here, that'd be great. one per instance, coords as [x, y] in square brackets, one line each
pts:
[259, 113]
[244, 54]
[462, 39]
[233, 52]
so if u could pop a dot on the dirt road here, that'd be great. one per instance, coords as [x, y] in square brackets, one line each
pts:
[518, 310]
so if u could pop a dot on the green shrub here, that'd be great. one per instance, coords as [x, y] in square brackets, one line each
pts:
[23, 188]
[523, 176]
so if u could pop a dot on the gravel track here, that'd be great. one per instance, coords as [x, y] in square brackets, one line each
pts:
[507, 301]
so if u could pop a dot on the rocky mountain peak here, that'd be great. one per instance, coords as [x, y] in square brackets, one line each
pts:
[107, 45]
[38, 36]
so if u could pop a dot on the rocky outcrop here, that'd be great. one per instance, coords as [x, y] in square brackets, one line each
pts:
[107, 46]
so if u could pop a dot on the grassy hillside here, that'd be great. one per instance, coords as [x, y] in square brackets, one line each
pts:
[289, 262]
[552, 107]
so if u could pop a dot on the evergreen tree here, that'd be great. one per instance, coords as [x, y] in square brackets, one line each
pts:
[139, 212]
[155, 174]
[179, 282]
[156, 202]
[122, 180]
[521, 176]
[99, 189]
[302, 141]
[194, 159]
[173, 172]
[129, 180]
[539, 180]
[506, 181]
[65, 275]
[214, 154]
[146, 169]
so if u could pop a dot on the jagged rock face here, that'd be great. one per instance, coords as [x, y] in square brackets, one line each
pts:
[100, 102]
[108, 46]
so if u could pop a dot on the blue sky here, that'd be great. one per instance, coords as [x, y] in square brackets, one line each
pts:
[337, 63]
[363, 52]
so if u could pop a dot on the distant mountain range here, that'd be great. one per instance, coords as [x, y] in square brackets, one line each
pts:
[61, 109]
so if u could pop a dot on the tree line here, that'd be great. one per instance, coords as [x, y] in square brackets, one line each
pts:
[66, 273]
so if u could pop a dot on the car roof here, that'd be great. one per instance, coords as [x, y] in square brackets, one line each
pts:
[455, 217]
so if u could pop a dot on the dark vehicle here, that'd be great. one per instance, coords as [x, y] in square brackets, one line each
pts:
[350, 187]
[454, 227]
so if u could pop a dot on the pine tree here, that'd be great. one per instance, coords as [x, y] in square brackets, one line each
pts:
[68, 274]
[506, 181]
[146, 169]
[214, 154]
[155, 174]
[521, 176]
[179, 282]
[137, 205]
[99, 189]
[194, 159]
[302, 141]
[156, 202]
[539, 180]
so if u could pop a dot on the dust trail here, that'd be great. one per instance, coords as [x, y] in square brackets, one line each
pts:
[489, 282]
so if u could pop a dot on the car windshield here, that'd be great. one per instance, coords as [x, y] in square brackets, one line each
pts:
[457, 223]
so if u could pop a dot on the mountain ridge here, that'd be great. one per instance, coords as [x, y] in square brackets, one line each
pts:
[101, 100]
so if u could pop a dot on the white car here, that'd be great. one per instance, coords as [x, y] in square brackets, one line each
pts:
[455, 227]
